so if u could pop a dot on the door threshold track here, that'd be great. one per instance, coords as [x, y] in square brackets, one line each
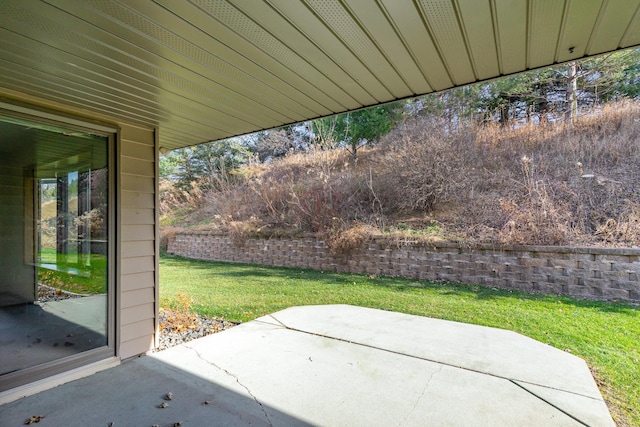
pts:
[56, 380]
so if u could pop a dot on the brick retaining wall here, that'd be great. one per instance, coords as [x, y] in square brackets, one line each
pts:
[597, 273]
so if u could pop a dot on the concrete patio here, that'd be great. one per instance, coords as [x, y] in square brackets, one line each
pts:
[333, 365]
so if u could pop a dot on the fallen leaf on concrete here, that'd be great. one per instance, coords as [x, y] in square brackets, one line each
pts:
[34, 419]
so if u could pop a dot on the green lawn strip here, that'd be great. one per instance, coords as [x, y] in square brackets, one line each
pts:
[606, 335]
[83, 279]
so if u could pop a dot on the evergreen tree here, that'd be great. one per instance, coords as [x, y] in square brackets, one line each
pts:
[355, 129]
[211, 162]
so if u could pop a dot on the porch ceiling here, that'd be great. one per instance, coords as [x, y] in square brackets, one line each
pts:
[203, 70]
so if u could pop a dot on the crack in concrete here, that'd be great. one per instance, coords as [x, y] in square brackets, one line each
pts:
[424, 391]
[235, 377]
[575, 393]
[279, 322]
[549, 403]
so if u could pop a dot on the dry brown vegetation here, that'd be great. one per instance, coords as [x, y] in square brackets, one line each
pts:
[549, 184]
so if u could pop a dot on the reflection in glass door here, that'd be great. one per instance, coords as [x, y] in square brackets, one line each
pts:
[54, 251]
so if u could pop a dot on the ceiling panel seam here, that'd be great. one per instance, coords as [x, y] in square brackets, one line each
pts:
[38, 59]
[202, 139]
[422, 49]
[441, 16]
[528, 34]
[163, 109]
[377, 45]
[63, 83]
[406, 45]
[628, 31]
[39, 91]
[563, 23]
[476, 20]
[329, 62]
[185, 105]
[153, 115]
[226, 99]
[436, 43]
[382, 66]
[614, 24]
[327, 54]
[496, 35]
[580, 21]
[546, 22]
[272, 58]
[563, 28]
[337, 36]
[465, 38]
[596, 26]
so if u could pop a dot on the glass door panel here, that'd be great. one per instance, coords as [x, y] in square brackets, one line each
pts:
[54, 235]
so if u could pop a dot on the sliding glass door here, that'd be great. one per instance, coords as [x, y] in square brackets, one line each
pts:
[55, 259]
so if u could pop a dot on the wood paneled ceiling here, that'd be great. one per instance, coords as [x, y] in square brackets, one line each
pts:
[203, 70]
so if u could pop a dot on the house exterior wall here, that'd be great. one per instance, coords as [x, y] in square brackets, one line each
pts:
[137, 263]
[595, 273]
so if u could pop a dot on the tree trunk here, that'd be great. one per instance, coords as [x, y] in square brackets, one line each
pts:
[572, 93]
[504, 115]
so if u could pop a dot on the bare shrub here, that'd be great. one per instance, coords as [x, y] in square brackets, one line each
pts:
[304, 192]
[167, 235]
[229, 204]
[606, 138]
[310, 192]
[533, 216]
[180, 316]
[176, 203]
[344, 242]
[271, 195]
[240, 231]
[419, 168]
[625, 229]
[535, 220]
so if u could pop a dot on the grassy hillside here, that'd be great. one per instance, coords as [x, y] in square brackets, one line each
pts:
[48, 209]
[48, 221]
[533, 184]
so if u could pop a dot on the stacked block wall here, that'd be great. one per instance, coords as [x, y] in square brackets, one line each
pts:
[597, 273]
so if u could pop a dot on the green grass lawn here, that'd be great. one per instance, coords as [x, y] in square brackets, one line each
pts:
[69, 275]
[606, 335]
